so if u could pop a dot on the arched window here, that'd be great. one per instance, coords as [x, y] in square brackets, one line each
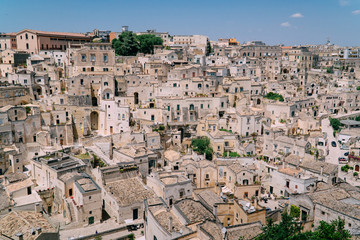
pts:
[26, 36]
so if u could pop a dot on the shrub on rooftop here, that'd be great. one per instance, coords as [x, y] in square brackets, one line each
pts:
[274, 96]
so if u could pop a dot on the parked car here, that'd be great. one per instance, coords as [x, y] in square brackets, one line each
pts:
[333, 144]
[342, 160]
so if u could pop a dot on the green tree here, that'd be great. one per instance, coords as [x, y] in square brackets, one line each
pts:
[329, 70]
[294, 211]
[287, 229]
[131, 236]
[147, 43]
[129, 44]
[274, 96]
[209, 153]
[335, 230]
[335, 123]
[202, 145]
[126, 45]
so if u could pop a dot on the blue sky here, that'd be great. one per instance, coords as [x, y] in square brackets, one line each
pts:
[273, 21]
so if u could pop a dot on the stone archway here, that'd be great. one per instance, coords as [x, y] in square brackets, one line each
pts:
[94, 120]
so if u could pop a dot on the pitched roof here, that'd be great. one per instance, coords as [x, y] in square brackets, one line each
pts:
[315, 166]
[19, 185]
[193, 211]
[128, 191]
[23, 222]
[64, 34]
[244, 231]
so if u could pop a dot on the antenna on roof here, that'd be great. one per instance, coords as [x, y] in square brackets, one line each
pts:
[328, 40]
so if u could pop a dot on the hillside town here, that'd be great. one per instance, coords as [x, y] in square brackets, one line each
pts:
[184, 138]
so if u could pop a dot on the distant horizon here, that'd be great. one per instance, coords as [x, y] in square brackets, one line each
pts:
[287, 22]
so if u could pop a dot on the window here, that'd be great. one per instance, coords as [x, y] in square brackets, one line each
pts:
[105, 58]
[27, 46]
[81, 81]
[287, 184]
[207, 176]
[83, 58]
[92, 58]
[106, 84]
[26, 36]
[178, 107]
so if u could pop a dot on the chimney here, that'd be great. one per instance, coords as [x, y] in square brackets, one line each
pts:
[19, 236]
[321, 170]
[170, 224]
[256, 203]
[37, 208]
[215, 210]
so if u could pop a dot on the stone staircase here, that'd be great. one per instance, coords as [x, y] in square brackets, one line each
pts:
[71, 211]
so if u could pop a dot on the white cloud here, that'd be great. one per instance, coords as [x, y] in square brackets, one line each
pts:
[297, 15]
[285, 24]
[356, 12]
[344, 2]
